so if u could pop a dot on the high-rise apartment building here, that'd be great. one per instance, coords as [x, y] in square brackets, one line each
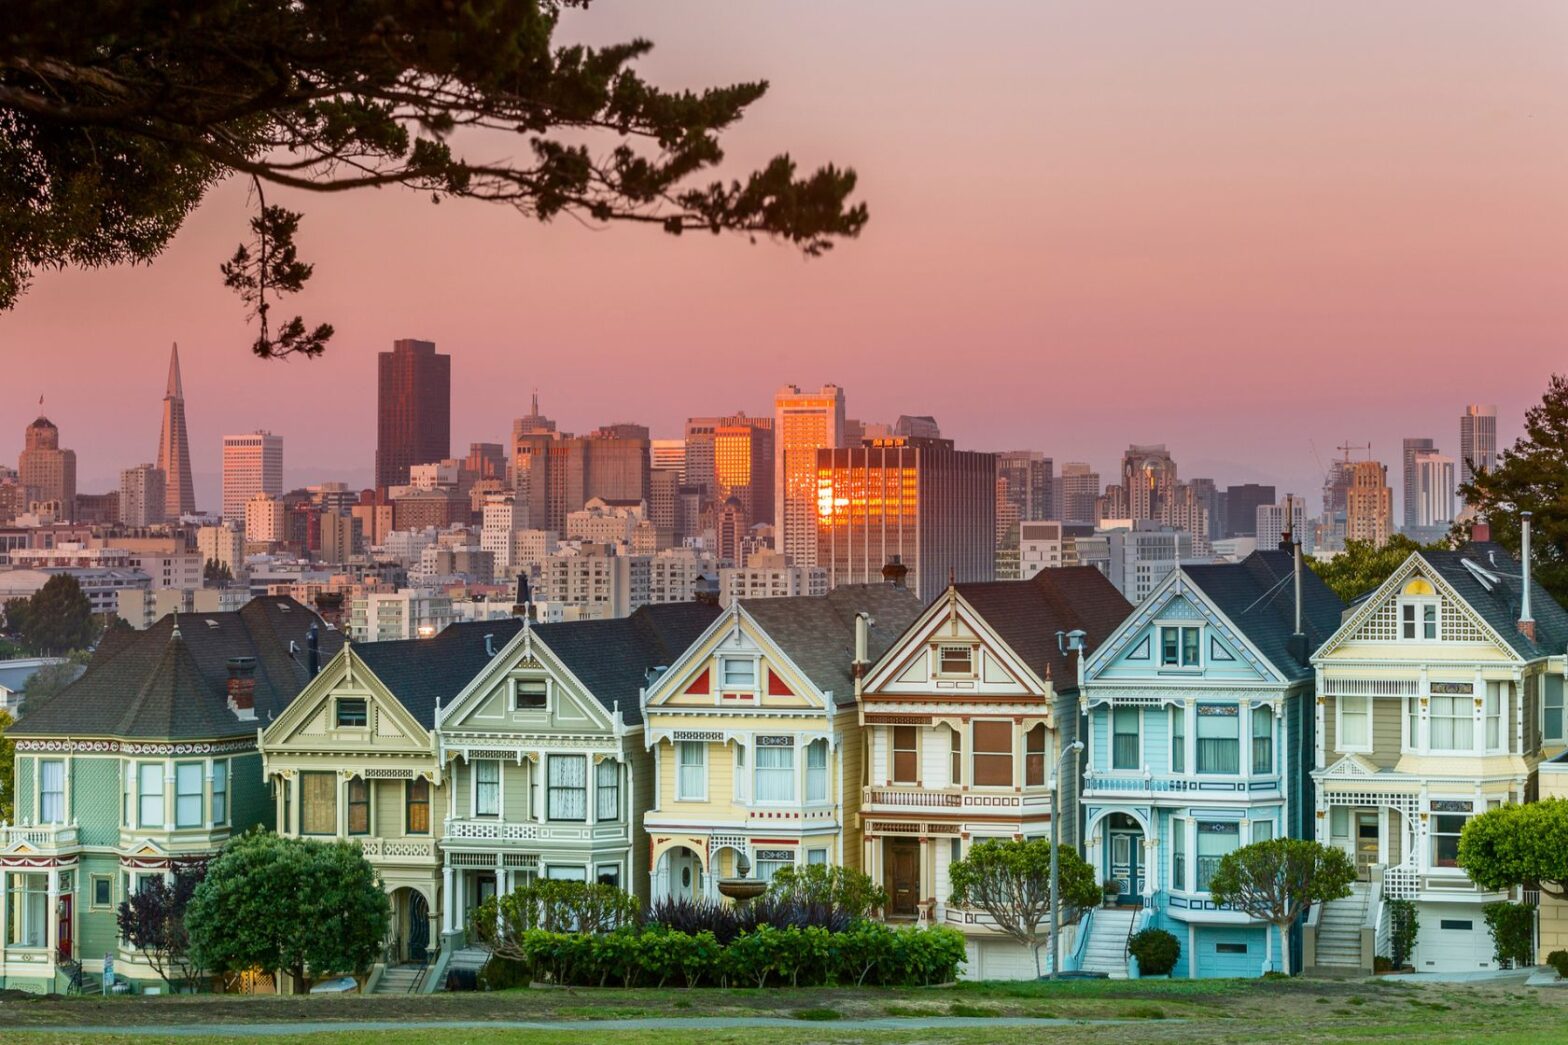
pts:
[174, 450]
[252, 464]
[743, 465]
[1433, 494]
[47, 473]
[1149, 477]
[265, 518]
[1241, 509]
[919, 499]
[1477, 440]
[1080, 487]
[413, 409]
[669, 454]
[142, 499]
[1411, 447]
[1028, 479]
[1369, 503]
[805, 423]
[1273, 521]
[556, 475]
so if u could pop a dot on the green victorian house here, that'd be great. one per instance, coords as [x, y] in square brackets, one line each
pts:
[146, 761]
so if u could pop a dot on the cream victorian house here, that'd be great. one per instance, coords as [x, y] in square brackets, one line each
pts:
[755, 738]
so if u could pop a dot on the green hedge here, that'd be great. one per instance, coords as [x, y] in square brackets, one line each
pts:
[868, 953]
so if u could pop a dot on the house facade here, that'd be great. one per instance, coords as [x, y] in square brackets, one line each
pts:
[147, 761]
[962, 721]
[1437, 699]
[1198, 733]
[543, 752]
[754, 735]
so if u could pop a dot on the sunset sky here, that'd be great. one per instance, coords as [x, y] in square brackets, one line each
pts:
[1251, 231]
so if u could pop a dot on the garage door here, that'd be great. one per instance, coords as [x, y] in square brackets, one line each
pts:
[1452, 939]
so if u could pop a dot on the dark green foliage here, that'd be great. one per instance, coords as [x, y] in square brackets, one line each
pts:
[1403, 928]
[57, 619]
[1156, 951]
[1559, 961]
[1276, 881]
[117, 118]
[152, 920]
[7, 771]
[51, 679]
[728, 921]
[1362, 566]
[1532, 477]
[822, 885]
[1512, 926]
[1011, 882]
[554, 906]
[1513, 845]
[312, 909]
[215, 573]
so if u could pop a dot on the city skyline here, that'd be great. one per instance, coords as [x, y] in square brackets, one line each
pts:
[1211, 239]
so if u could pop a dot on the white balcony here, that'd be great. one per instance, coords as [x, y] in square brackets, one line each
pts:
[1129, 783]
[45, 839]
[462, 831]
[1035, 801]
[406, 851]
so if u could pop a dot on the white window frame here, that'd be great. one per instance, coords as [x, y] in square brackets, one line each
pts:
[682, 748]
[1181, 845]
[550, 787]
[1339, 724]
[180, 823]
[726, 686]
[142, 795]
[45, 816]
[549, 695]
[792, 795]
[1562, 713]
[1136, 712]
[817, 856]
[474, 787]
[612, 769]
[818, 775]
[1179, 664]
[1418, 605]
[220, 792]
[937, 670]
[1466, 702]
[337, 712]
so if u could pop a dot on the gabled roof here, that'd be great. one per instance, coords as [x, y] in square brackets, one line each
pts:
[612, 658]
[1494, 595]
[1028, 614]
[1258, 597]
[422, 673]
[157, 685]
[817, 632]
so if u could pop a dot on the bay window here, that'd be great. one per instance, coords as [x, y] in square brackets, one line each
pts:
[993, 754]
[607, 790]
[817, 771]
[775, 773]
[318, 797]
[187, 794]
[771, 861]
[956, 756]
[27, 916]
[1215, 839]
[906, 758]
[1452, 723]
[1034, 756]
[1219, 739]
[1124, 738]
[416, 802]
[1263, 740]
[220, 792]
[487, 787]
[1355, 723]
[358, 806]
[566, 787]
[51, 792]
[1448, 820]
[149, 790]
[1262, 830]
[691, 771]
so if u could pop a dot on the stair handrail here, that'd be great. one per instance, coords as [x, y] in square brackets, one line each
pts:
[1371, 918]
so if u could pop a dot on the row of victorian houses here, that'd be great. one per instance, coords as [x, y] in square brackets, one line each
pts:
[684, 747]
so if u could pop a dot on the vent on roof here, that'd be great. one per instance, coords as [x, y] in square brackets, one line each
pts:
[211, 623]
[283, 607]
[1486, 577]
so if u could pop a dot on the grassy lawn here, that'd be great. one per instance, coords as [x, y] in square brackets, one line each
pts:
[1242, 1011]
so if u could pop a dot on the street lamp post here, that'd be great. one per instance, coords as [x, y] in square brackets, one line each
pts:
[1056, 833]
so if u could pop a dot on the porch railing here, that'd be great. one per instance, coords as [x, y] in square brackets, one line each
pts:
[913, 798]
[38, 836]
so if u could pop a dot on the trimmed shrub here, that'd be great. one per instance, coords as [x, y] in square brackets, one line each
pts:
[1403, 928]
[1513, 932]
[1559, 961]
[1156, 951]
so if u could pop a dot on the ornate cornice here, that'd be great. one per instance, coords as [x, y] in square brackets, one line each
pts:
[70, 745]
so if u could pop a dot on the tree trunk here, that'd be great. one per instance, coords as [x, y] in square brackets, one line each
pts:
[1284, 947]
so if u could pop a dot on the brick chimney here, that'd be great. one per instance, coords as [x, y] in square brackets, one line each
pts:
[1480, 531]
[242, 687]
[895, 571]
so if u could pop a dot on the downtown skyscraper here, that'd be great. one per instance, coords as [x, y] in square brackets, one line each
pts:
[1477, 440]
[413, 410]
[252, 464]
[174, 450]
[803, 424]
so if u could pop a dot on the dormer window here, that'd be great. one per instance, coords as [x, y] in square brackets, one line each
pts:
[1418, 611]
[530, 694]
[956, 661]
[352, 713]
[738, 673]
[1181, 647]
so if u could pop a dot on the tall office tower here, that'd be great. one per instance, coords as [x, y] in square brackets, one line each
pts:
[730, 525]
[1271, 521]
[1080, 490]
[1477, 440]
[46, 472]
[1434, 495]
[1148, 476]
[921, 426]
[1241, 509]
[743, 465]
[668, 454]
[919, 499]
[533, 423]
[1027, 474]
[1208, 494]
[142, 497]
[413, 410]
[803, 424]
[174, 451]
[1113, 504]
[1412, 447]
[485, 461]
[664, 486]
[1185, 509]
[1369, 503]
[697, 465]
[252, 464]
[559, 475]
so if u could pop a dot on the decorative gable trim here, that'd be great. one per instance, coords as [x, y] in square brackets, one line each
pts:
[525, 651]
[777, 686]
[734, 627]
[1351, 766]
[903, 661]
[700, 686]
[1158, 606]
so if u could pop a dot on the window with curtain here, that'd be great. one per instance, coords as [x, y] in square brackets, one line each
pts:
[530, 694]
[956, 757]
[1180, 647]
[739, 673]
[1219, 739]
[318, 796]
[1215, 839]
[1413, 723]
[149, 793]
[220, 792]
[1034, 756]
[1355, 722]
[607, 790]
[416, 802]
[906, 758]
[817, 771]
[1262, 830]
[1446, 828]
[1552, 710]
[993, 754]
[358, 806]
[1178, 740]
[1263, 740]
[51, 792]
[1452, 723]
[691, 783]
[487, 787]
[1124, 738]
[1494, 714]
[775, 774]
[1179, 854]
[566, 787]
[187, 794]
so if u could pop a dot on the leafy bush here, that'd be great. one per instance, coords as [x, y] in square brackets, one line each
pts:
[1156, 951]
[819, 885]
[1403, 928]
[728, 921]
[1513, 932]
[1559, 961]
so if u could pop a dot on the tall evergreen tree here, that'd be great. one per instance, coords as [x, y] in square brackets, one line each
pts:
[59, 618]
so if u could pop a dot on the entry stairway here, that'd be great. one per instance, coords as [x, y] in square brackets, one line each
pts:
[1106, 949]
[400, 979]
[1339, 931]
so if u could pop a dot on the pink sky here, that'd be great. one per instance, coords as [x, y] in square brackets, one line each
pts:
[1241, 229]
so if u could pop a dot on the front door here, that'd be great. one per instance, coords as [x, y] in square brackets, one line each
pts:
[903, 878]
[1367, 834]
[1125, 865]
[418, 928]
[65, 928]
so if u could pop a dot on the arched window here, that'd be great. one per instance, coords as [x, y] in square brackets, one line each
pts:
[1418, 611]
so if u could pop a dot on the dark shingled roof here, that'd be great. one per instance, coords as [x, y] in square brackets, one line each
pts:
[817, 632]
[1257, 596]
[155, 685]
[1028, 614]
[612, 657]
[1496, 598]
[422, 673]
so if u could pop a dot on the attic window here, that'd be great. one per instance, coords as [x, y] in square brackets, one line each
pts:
[529, 694]
[352, 712]
[1418, 611]
[955, 660]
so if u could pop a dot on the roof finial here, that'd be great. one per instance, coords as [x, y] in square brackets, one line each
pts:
[176, 632]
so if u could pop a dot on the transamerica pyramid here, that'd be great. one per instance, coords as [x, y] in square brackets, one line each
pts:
[174, 451]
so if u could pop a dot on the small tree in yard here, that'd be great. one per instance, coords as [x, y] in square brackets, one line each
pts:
[818, 885]
[152, 920]
[1277, 880]
[1518, 844]
[502, 923]
[1011, 882]
[308, 908]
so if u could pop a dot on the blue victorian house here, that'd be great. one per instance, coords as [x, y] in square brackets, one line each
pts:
[1199, 741]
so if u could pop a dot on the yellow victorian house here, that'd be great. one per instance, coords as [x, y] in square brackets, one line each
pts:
[755, 738]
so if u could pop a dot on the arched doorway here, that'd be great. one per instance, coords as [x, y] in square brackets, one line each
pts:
[1124, 856]
[417, 946]
[680, 874]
